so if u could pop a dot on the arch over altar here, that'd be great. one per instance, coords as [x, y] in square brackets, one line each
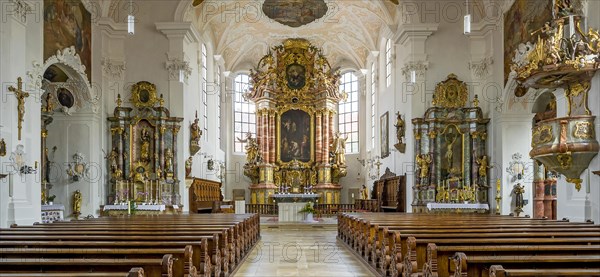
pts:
[296, 93]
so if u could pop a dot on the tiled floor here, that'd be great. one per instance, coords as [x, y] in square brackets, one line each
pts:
[301, 250]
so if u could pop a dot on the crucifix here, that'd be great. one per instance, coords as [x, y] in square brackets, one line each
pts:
[21, 95]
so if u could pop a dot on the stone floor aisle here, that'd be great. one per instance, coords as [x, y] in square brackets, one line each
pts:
[301, 250]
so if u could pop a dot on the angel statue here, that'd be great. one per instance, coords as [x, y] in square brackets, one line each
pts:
[252, 155]
[483, 166]
[339, 148]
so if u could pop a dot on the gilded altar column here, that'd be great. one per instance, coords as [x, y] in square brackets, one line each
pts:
[319, 138]
[325, 141]
[273, 143]
[538, 184]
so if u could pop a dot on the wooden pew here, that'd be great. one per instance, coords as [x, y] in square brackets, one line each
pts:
[499, 271]
[134, 272]
[161, 267]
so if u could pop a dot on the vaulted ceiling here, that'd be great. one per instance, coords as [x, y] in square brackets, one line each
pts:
[242, 32]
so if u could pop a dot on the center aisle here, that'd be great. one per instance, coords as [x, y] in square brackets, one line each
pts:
[301, 250]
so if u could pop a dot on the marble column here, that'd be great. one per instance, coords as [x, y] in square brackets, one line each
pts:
[325, 141]
[538, 185]
[273, 143]
[319, 138]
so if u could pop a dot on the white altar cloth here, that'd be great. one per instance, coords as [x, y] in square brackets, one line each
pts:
[288, 212]
[137, 207]
[54, 207]
[461, 206]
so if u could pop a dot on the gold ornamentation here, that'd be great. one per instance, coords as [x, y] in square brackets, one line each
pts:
[576, 181]
[119, 100]
[44, 133]
[21, 96]
[565, 160]
[143, 95]
[498, 196]
[116, 129]
[49, 107]
[483, 166]
[573, 91]
[76, 203]
[451, 93]
[476, 101]
[583, 130]
[432, 134]
[542, 134]
[423, 161]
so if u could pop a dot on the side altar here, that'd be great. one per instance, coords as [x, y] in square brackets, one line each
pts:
[450, 152]
[296, 148]
[143, 157]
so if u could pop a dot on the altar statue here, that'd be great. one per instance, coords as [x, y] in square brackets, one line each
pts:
[145, 149]
[188, 167]
[483, 166]
[252, 155]
[169, 161]
[77, 202]
[423, 161]
[339, 148]
[364, 192]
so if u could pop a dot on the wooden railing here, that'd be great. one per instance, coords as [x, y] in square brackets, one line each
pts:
[323, 210]
[263, 209]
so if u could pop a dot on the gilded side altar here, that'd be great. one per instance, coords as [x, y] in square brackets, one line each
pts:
[143, 158]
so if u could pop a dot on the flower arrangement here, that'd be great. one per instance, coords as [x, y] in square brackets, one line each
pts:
[308, 208]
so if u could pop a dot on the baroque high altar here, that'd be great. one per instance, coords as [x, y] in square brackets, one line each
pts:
[297, 148]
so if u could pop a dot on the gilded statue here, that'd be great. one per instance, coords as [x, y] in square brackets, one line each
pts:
[442, 195]
[169, 160]
[423, 161]
[252, 155]
[77, 202]
[483, 166]
[195, 134]
[113, 160]
[339, 149]
[20, 95]
[364, 192]
[145, 149]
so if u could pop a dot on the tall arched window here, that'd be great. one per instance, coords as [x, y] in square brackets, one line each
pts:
[373, 94]
[244, 119]
[204, 91]
[388, 62]
[348, 111]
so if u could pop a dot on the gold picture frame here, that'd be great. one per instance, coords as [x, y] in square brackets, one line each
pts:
[311, 137]
[143, 95]
[384, 140]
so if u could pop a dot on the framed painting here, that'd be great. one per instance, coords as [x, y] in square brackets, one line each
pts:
[295, 139]
[384, 140]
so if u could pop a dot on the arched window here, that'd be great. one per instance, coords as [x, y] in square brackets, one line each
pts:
[373, 94]
[348, 112]
[244, 119]
[204, 91]
[388, 62]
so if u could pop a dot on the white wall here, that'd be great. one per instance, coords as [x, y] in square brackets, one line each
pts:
[20, 45]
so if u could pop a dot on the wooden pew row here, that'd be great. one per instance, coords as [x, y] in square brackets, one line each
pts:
[182, 258]
[200, 257]
[438, 257]
[383, 247]
[134, 272]
[499, 271]
[140, 230]
[161, 267]
[475, 265]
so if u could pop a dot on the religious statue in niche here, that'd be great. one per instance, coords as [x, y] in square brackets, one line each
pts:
[169, 161]
[113, 161]
[400, 132]
[145, 148]
[195, 134]
[339, 149]
[21, 96]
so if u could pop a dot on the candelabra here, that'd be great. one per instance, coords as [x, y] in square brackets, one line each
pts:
[498, 197]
